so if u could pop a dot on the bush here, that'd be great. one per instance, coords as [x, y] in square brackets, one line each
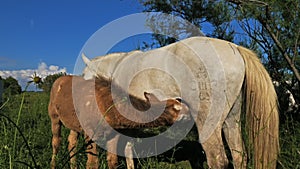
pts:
[10, 86]
[46, 85]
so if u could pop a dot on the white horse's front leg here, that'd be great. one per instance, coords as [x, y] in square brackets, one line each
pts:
[111, 156]
[129, 155]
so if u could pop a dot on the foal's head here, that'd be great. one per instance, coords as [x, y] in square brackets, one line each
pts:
[174, 107]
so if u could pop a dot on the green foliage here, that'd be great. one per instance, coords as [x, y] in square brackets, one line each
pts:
[46, 84]
[197, 12]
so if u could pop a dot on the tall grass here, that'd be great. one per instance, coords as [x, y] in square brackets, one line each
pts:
[17, 125]
[289, 144]
[33, 139]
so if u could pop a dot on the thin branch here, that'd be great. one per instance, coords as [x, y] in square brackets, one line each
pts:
[240, 2]
[247, 28]
[281, 49]
[296, 47]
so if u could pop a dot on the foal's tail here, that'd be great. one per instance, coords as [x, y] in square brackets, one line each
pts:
[262, 119]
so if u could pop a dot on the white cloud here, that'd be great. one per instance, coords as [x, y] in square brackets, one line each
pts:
[53, 68]
[23, 76]
[42, 67]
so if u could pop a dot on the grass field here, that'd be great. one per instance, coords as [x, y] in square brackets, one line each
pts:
[29, 144]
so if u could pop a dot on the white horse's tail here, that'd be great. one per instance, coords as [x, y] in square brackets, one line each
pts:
[262, 118]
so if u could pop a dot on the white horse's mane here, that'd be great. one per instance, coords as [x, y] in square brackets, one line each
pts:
[115, 54]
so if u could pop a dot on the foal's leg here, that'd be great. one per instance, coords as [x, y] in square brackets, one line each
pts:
[56, 137]
[92, 155]
[233, 135]
[112, 148]
[72, 148]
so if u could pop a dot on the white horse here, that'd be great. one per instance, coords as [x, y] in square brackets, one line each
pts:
[220, 80]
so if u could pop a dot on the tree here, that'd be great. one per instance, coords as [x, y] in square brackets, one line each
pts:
[46, 84]
[11, 87]
[270, 27]
[278, 27]
[274, 25]
[196, 12]
[1, 89]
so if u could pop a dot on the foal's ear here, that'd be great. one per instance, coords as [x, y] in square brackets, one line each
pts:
[151, 97]
[177, 106]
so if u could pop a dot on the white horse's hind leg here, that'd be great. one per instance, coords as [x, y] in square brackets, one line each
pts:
[214, 149]
[233, 135]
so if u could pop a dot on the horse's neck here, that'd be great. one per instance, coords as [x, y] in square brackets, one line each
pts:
[106, 86]
[139, 104]
[141, 114]
[134, 110]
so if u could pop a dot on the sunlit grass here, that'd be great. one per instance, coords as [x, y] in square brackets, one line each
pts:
[35, 125]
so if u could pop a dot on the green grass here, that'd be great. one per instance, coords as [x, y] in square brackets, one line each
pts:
[289, 145]
[34, 124]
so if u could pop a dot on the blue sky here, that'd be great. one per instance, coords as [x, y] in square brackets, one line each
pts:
[48, 35]
[53, 32]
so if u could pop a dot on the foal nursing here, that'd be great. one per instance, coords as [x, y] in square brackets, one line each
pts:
[89, 106]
